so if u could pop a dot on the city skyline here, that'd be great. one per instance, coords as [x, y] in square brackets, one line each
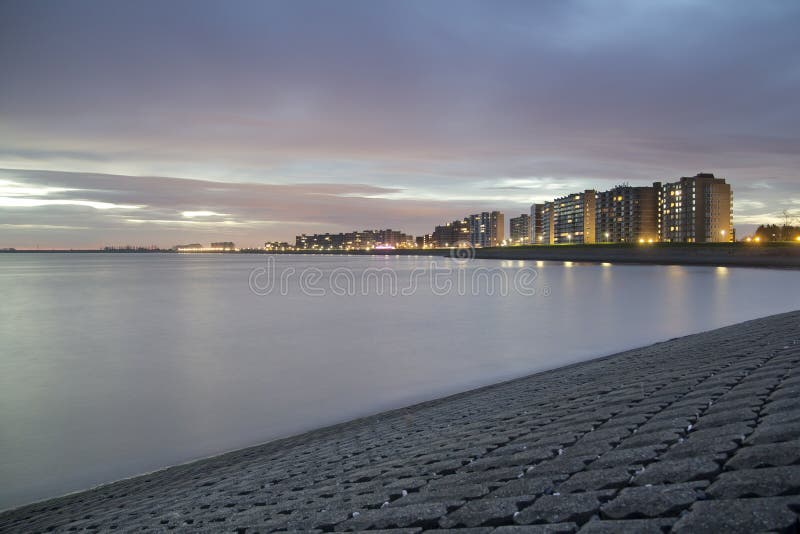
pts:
[124, 123]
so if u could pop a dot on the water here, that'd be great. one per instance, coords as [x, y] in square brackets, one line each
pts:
[113, 365]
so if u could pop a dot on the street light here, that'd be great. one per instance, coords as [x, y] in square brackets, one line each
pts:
[569, 236]
[606, 237]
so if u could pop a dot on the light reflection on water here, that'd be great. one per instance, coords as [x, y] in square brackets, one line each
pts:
[112, 365]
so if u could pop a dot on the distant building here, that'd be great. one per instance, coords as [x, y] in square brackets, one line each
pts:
[223, 246]
[363, 240]
[537, 230]
[487, 229]
[325, 241]
[520, 229]
[393, 238]
[570, 219]
[190, 246]
[696, 209]
[279, 246]
[627, 214]
[452, 234]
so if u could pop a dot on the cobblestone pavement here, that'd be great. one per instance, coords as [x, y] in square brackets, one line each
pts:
[697, 434]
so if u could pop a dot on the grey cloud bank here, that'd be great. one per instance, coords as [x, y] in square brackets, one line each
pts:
[437, 108]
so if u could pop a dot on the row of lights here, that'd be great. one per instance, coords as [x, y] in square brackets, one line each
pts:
[757, 239]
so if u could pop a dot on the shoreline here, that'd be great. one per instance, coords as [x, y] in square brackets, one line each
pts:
[624, 381]
[765, 255]
[778, 256]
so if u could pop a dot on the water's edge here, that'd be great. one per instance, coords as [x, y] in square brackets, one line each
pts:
[232, 455]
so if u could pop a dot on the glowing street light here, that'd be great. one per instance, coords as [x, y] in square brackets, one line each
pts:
[606, 237]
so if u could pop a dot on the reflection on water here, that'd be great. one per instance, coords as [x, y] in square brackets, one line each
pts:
[112, 365]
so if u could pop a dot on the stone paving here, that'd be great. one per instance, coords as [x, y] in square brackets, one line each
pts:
[697, 434]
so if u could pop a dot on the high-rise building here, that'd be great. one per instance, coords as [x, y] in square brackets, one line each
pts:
[520, 228]
[696, 209]
[425, 241]
[570, 219]
[452, 234]
[498, 228]
[537, 234]
[627, 214]
[393, 238]
[487, 229]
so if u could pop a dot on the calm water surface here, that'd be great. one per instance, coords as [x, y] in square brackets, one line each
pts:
[113, 365]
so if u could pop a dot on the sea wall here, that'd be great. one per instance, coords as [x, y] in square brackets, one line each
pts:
[783, 255]
[696, 434]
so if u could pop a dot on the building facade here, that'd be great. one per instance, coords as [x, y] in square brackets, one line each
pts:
[696, 209]
[537, 223]
[520, 229]
[363, 240]
[452, 234]
[627, 214]
[570, 219]
[487, 229]
[425, 241]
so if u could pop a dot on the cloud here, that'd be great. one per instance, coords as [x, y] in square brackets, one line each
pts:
[14, 202]
[748, 204]
[291, 112]
[193, 214]
[172, 210]
[41, 227]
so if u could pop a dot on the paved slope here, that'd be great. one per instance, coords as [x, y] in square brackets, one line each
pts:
[698, 434]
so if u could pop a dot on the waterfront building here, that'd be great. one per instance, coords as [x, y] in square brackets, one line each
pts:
[627, 214]
[520, 229]
[425, 241]
[570, 219]
[355, 240]
[452, 234]
[224, 246]
[394, 238]
[325, 241]
[188, 248]
[279, 246]
[487, 229]
[537, 222]
[696, 209]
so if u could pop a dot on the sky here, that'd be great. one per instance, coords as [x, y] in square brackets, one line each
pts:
[162, 123]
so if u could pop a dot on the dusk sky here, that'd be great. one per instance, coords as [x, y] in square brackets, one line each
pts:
[150, 122]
